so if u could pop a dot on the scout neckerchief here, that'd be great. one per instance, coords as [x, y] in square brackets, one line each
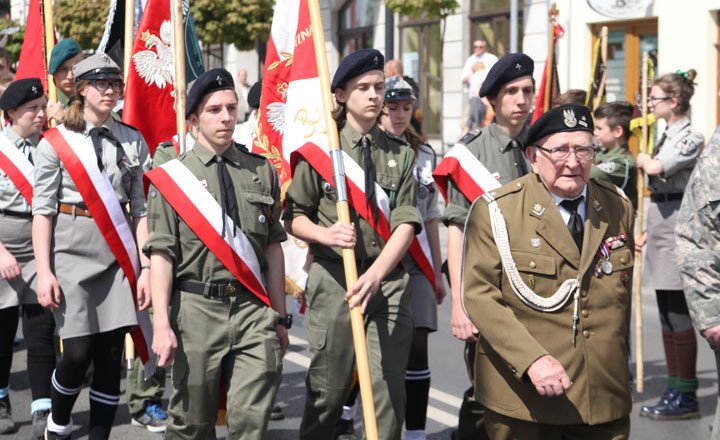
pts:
[18, 168]
[77, 154]
[319, 160]
[204, 215]
[469, 174]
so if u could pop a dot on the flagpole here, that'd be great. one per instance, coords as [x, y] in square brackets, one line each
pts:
[179, 55]
[549, 80]
[639, 367]
[343, 210]
[129, 35]
[603, 63]
[49, 30]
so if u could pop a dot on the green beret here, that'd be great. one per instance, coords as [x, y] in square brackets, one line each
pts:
[62, 52]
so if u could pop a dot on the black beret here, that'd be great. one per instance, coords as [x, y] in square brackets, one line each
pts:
[357, 63]
[62, 52]
[21, 91]
[208, 82]
[508, 68]
[97, 66]
[568, 117]
[253, 97]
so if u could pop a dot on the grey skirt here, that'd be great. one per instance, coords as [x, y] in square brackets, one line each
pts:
[96, 296]
[661, 267]
[423, 303]
[16, 236]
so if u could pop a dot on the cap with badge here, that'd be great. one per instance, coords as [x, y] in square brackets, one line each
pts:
[21, 91]
[62, 51]
[208, 82]
[397, 89]
[568, 117]
[97, 66]
[506, 69]
[357, 63]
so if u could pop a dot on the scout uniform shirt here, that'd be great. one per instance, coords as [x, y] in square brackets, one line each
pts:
[258, 193]
[679, 148]
[10, 197]
[617, 166]
[124, 167]
[311, 196]
[493, 148]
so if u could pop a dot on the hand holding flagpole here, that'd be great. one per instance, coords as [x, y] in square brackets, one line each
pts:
[356, 318]
[179, 57]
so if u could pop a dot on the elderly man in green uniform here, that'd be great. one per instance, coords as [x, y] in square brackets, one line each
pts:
[548, 273]
[63, 57]
[216, 261]
[510, 88]
[613, 162]
[311, 214]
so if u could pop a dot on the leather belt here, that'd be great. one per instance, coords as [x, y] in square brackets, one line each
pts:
[213, 290]
[73, 210]
[16, 214]
[667, 197]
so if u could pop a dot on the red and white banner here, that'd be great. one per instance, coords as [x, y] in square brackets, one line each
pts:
[320, 160]
[203, 214]
[468, 173]
[77, 154]
[18, 168]
[32, 56]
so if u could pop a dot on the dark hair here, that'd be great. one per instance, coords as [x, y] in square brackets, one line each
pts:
[679, 85]
[572, 96]
[74, 119]
[617, 114]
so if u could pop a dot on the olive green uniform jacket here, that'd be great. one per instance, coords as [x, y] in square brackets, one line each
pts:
[513, 335]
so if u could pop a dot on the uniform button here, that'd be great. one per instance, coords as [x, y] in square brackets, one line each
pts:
[585, 313]
[586, 334]
[374, 243]
[622, 260]
[533, 265]
[519, 185]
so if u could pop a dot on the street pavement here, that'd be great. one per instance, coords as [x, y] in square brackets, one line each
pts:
[449, 381]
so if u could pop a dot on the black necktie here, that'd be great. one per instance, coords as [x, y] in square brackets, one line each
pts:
[575, 223]
[519, 158]
[369, 178]
[656, 149]
[96, 134]
[227, 190]
[25, 146]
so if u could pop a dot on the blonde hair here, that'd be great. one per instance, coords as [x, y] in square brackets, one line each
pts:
[74, 118]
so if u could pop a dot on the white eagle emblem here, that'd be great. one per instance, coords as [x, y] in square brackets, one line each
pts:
[570, 119]
[156, 66]
[276, 116]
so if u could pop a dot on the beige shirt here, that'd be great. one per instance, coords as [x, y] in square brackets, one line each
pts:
[10, 197]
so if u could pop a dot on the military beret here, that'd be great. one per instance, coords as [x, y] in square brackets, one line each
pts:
[357, 63]
[397, 89]
[63, 51]
[508, 68]
[97, 66]
[208, 82]
[568, 117]
[21, 91]
[253, 97]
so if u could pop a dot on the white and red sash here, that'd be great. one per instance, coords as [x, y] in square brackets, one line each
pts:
[77, 154]
[468, 173]
[320, 160]
[18, 168]
[203, 214]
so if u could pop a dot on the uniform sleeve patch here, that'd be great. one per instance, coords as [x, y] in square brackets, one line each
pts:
[607, 167]
[688, 146]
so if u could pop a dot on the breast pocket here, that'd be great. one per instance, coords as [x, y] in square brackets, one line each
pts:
[390, 183]
[539, 272]
[257, 215]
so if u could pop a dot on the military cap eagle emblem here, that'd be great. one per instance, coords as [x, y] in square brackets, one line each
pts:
[570, 119]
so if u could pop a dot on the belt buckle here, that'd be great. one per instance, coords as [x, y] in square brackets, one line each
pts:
[230, 289]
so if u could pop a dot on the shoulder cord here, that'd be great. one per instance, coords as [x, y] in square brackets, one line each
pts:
[522, 291]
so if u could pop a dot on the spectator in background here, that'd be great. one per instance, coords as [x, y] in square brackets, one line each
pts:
[242, 88]
[6, 75]
[479, 55]
[572, 96]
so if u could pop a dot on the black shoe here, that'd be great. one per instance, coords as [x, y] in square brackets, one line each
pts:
[7, 426]
[344, 430]
[277, 413]
[39, 423]
[666, 398]
[683, 407]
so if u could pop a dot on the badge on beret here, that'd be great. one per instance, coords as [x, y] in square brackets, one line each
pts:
[583, 121]
[570, 120]
[219, 80]
[518, 66]
[375, 60]
[34, 89]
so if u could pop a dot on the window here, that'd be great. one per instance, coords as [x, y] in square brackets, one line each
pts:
[490, 21]
[356, 25]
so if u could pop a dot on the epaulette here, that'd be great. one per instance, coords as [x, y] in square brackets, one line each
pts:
[470, 136]
[510, 188]
[244, 150]
[392, 137]
[165, 144]
[127, 125]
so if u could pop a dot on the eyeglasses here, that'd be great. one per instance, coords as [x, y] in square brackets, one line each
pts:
[479, 47]
[102, 85]
[562, 153]
[658, 98]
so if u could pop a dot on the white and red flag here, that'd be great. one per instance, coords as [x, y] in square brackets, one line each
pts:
[32, 55]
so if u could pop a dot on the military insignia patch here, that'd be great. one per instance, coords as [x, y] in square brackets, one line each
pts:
[535, 242]
[597, 205]
[261, 218]
[583, 121]
[518, 66]
[538, 209]
[392, 163]
[608, 167]
[688, 146]
[570, 119]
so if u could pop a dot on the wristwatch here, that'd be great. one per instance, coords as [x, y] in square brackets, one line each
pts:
[286, 321]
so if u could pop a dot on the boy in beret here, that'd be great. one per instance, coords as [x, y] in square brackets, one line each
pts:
[65, 54]
[23, 104]
[550, 292]
[311, 215]
[510, 89]
[216, 264]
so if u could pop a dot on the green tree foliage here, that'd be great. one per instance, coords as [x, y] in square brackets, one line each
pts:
[15, 40]
[81, 20]
[238, 22]
[423, 8]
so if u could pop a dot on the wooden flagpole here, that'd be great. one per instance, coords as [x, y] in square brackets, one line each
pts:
[549, 71]
[179, 56]
[639, 367]
[343, 210]
[49, 30]
[603, 59]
